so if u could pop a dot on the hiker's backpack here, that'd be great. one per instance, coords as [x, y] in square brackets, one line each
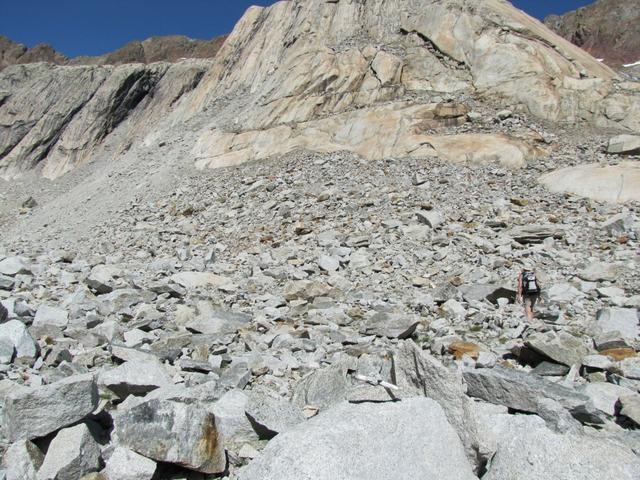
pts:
[530, 283]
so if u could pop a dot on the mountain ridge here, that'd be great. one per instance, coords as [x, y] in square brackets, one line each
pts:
[607, 29]
[166, 48]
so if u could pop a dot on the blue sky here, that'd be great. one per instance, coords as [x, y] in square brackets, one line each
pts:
[94, 27]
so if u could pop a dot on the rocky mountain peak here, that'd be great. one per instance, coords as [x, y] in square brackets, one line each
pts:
[607, 29]
[170, 48]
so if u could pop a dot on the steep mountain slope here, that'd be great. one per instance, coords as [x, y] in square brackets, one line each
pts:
[323, 76]
[607, 29]
[341, 300]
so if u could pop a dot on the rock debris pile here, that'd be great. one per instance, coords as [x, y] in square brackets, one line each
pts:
[339, 301]
[281, 314]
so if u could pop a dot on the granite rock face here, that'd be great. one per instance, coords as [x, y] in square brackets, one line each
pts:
[315, 76]
[535, 451]
[346, 443]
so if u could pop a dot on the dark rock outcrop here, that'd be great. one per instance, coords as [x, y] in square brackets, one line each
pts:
[607, 29]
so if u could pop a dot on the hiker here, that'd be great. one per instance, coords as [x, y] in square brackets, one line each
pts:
[528, 290]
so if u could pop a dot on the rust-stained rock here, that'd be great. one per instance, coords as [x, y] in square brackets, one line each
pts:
[460, 349]
[173, 432]
[619, 354]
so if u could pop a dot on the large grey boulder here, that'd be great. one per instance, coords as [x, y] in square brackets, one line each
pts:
[528, 450]
[72, 454]
[562, 347]
[173, 432]
[135, 378]
[36, 412]
[623, 320]
[125, 464]
[417, 373]
[270, 416]
[523, 391]
[22, 460]
[407, 439]
[15, 333]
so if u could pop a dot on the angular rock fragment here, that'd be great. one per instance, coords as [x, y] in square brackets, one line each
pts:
[13, 266]
[48, 315]
[599, 271]
[6, 283]
[550, 369]
[624, 144]
[480, 292]
[557, 417]
[431, 218]
[523, 391]
[528, 450]
[135, 378]
[417, 373]
[102, 278]
[125, 464]
[231, 419]
[73, 453]
[306, 290]
[605, 396]
[623, 320]
[14, 333]
[236, 376]
[562, 293]
[391, 325]
[630, 407]
[270, 416]
[173, 432]
[22, 460]
[323, 388]
[219, 322]
[347, 441]
[193, 280]
[36, 412]
[562, 347]
[527, 234]
[328, 263]
[619, 224]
